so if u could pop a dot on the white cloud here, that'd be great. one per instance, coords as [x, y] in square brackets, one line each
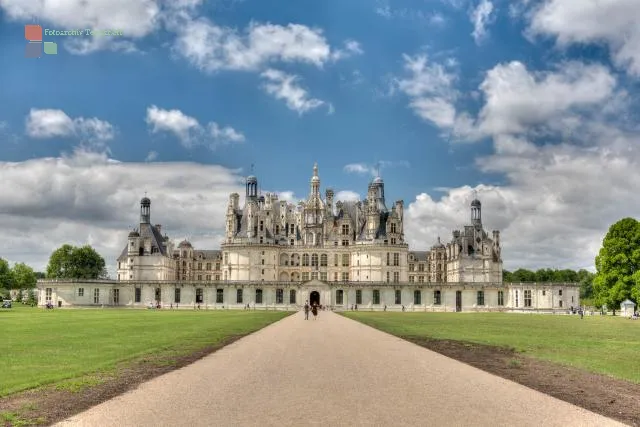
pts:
[481, 17]
[188, 130]
[210, 47]
[135, 18]
[285, 87]
[430, 90]
[87, 196]
[51, 123]
[374, 170]
[151, 156]
[347, 196]
[614, 22]
[385, 10]
[351, 48]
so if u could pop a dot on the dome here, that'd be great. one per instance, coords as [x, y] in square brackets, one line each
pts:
[252, 178]
[134, 233]
[315, 179]
[475, 202]
[377, 180]
[145, 201]
[185, 244]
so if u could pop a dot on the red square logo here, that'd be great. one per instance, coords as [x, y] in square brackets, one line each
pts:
[33, 33]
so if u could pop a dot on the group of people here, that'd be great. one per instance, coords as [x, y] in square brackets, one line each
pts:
[313, 308]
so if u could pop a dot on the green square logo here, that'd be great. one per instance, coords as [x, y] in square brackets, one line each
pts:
[50, 48]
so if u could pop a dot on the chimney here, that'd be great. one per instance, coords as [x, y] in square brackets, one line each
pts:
[159, 228]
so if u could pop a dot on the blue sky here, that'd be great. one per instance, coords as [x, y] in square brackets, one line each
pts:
[534, 105]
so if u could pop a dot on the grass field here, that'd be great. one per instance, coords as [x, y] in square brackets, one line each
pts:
[602, 344]
[40, 347]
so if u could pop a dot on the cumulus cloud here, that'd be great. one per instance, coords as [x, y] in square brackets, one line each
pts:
[347, 196]
[52, 123]
[188, 130]
[87, 196]
[151, 156]
[481, 17]
[285, 87]
[374, 169]
[615, 23]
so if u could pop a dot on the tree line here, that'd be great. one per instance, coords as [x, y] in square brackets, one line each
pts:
[584, 277]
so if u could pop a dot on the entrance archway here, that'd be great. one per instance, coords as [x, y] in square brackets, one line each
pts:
[314, 298]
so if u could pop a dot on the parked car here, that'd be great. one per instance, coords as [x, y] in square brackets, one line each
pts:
[6, 303]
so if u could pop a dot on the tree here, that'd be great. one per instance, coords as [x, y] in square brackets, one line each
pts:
[618, 265]
[23, 276]
[6, 275]
[70, 262]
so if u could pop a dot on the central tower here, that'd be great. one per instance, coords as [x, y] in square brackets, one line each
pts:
[314, 212]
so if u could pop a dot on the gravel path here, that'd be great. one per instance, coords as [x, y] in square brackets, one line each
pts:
[331, 371]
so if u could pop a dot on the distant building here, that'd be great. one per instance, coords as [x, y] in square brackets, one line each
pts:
[338, 253]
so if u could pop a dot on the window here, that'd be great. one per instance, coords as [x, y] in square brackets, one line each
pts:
[345, 229]
[217, 277]
[261, 225]
[279, 296]
[138, 295]
[199, 295]
[226, 258]
[516, 297]
[291, 242]
[336, 259]
[199, 266]
[262, 261]
[396, 276]
[176, 295]
[396, 259]
[544, 293]
[314, 260]
[208, 277]
[305, 276]
[323, 260]
[417, 297]
[96, 296]
[305, 260]
[411, 279]
[345, 277]
[388, 258]
[277, 229]
[199, 276]
[437, 297]
[393, 227]
[292, 296]
[500, 297]
[480, 298]
[560, 302]
[217, 266]
[339, 296]
[388, 276]
[393, 240]
[358, 296]
[335, 276]
[421, 267]
[420, 279]
[398, 296]
[314, 275]
[261, 239]
[291, 229]
[158, 294]
[48, 294]
[560, 292]
[345, 243]
[376, 296]
[239, 296]
[116, 296]
[219, 296]
[412, 267]
[258, 296]
[208, 266]
[80, 292]
[345, 260]
[527, 298]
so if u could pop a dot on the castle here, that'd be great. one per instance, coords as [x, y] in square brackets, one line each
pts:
[326, 251]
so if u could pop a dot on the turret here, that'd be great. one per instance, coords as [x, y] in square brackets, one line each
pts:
[476, 213]
[134, 243]
[145, 211]
[251, 188]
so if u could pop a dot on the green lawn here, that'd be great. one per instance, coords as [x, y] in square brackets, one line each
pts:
[40, 346]
[603, 344]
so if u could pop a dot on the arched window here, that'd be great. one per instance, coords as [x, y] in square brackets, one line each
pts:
[305, 260]
[323, 260]
[314, 260]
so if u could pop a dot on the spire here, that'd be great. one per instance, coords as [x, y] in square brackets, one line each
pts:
[315, 169]
[377, 169]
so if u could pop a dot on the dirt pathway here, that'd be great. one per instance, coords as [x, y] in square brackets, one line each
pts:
[331, 371]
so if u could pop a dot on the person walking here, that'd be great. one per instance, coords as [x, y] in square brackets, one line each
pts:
[314, 310]
[306, 310]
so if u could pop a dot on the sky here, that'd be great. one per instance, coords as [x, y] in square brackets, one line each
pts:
[533, 105]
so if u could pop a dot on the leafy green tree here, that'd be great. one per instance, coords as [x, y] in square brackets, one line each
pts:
[23, 276]
[507, 276]
[523, 275]
[618, 265]
[70, 262]
[6, 275]
[31, 299]
[40, 275]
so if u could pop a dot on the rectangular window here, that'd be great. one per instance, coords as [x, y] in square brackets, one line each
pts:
[358, 296]
[560, 302]
[345, 229]
[412, 267]
[527, 298]
[560, 292]
[388, 276]
[393, 240]
[305, 276]
[417, 297]
[345, 277]
[258, 296]
[208, 266]
[336, 259]
[138, 294]
[339, 296]
[176, 296]
[388, 258]
[480, 298]
[412, 279]
[345, 260]
[238, 296]
[199, 266]
[500, 297]
[517, 298]
[421, 267]
[199, 276]
[544, 293]
[261, 225]
[396, 259]
[96, 296]
[398, 296]
[226, 258]
[219, 296]
[345, 243]
[420, 279]
[199, 296]
[116, 296]
[393, 227]
[323, 276]
[323, 260]
[48, 293]
[335, 276]
[437, 298]
[396, 277]
[376, 296]
[217, 277]
[279, 296]
[314, 275]
[292, 296]
[80, 292]
[208, 277]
